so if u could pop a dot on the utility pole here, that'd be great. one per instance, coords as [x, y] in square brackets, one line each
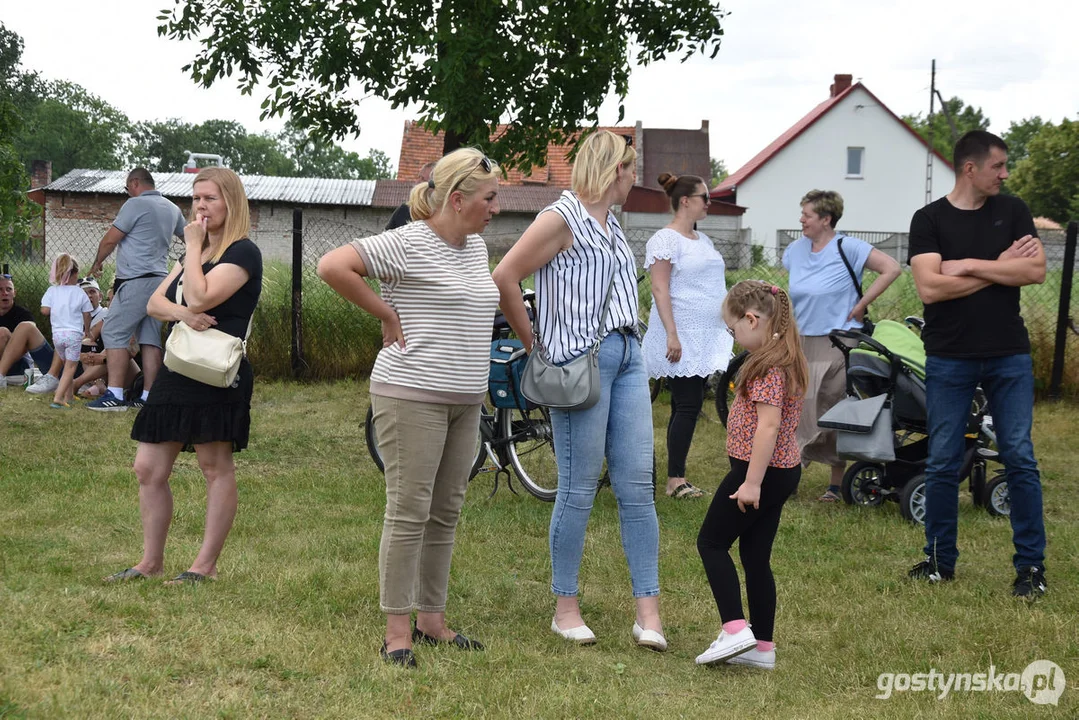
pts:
[929, 143]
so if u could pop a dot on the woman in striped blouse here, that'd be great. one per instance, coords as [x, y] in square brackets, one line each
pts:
[575, 247]
[436, 308]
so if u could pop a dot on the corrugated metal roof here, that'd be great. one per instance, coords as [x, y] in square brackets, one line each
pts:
[303, 191]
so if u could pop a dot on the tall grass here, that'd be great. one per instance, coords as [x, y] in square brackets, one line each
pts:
[341, 341]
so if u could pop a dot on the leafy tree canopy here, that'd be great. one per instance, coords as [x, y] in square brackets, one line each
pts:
[74, 129]
[1048, 177]
[719, 171]
[965, 118]
[544, 67]
[17, 212]
[163, 145]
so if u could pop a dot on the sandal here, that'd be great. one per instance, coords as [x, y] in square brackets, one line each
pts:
[829, 496]
[685, 491]
[189, 578]
[124, 575]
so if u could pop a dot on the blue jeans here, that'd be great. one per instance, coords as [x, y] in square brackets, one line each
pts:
[618, 427]
[1008, 383]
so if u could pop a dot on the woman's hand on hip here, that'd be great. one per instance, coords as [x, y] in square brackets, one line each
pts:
[392, 332]
[857, 313]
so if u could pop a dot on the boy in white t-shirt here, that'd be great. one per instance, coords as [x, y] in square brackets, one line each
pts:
[68, 308]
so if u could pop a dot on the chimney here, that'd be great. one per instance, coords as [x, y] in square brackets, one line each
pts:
[40, 173]
[842, 82]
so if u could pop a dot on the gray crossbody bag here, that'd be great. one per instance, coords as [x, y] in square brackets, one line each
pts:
[575, 385]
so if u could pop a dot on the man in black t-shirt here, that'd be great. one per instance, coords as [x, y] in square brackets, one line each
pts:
[971, 252]
[19, 335]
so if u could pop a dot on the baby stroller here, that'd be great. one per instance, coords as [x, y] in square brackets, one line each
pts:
[891, 363]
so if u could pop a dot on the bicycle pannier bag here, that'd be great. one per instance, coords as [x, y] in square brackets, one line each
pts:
[505, 378]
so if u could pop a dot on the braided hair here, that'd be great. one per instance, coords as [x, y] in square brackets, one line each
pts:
[783, 349]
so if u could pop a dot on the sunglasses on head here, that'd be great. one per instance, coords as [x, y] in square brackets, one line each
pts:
[484, 163]
[6, 276]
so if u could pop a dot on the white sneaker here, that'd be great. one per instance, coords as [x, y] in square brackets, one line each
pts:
[649, 638]
[582, 634]
[765, 660]
[727, 646]
[3, 381]
[46, 384]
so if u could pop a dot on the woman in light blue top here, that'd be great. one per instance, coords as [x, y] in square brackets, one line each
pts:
[825, 299]
[576, 250]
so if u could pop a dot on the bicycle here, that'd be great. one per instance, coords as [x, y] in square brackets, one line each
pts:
[513, 433]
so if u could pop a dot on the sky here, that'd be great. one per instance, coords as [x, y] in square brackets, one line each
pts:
[778, 57]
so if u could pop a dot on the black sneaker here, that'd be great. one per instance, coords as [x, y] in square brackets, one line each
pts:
[136, 403]
[927, 570]
[1029, 583]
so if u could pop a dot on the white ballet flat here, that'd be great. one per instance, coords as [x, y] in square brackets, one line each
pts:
[649, 638]
[582, 634]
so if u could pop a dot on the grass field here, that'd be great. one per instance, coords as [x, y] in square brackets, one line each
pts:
[292, 627]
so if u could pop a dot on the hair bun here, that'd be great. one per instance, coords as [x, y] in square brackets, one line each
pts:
[667, 181]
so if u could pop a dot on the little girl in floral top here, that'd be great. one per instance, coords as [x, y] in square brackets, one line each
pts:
[765, 469]
[68, 308]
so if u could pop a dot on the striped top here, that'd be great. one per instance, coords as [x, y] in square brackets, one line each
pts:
[446, 301]
[570, 289]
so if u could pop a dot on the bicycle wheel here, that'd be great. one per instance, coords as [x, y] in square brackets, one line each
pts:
[725, 386]
[530, 448]
[372, 442]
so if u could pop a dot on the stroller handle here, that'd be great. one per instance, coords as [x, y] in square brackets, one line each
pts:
[861, 338]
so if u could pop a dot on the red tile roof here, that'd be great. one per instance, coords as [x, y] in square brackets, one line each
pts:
[419, 147]
[727, 187]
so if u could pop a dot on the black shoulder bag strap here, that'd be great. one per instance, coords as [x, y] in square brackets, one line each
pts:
[867, 324]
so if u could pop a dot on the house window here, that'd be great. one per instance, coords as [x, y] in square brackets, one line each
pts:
[855, 156]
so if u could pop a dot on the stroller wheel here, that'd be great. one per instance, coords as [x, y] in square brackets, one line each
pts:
[863, 484]
[997, 500]
[912, 500]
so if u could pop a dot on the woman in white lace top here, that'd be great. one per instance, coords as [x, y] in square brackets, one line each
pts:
[686, 340]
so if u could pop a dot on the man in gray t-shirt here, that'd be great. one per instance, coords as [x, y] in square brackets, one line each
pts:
[141, 234]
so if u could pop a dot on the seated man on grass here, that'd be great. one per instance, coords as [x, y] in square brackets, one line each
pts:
[21, 342]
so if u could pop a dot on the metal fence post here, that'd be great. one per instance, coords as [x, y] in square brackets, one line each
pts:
[297, 292]
[1063, 310]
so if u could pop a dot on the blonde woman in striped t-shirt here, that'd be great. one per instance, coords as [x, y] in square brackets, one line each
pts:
[577, 250]
[437, 308]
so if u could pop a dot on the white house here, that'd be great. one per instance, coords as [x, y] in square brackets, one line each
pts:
[851, 143]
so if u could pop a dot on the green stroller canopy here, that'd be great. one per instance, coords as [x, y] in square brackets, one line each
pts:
[901, 341]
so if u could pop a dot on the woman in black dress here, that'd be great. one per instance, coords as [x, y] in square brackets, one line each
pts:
[222, 279]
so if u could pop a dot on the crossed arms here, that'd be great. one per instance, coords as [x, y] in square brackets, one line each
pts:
[938, 280]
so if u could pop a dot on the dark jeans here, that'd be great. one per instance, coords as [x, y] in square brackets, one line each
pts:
[755, 531]
[687, 398]
[1008, 383]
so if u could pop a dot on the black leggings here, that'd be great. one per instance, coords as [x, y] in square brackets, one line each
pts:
[687, 398]
[755, 530]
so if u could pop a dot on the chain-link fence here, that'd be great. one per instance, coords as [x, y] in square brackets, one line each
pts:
[302, 329]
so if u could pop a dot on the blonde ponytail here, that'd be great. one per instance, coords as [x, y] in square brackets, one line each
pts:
[462, 170]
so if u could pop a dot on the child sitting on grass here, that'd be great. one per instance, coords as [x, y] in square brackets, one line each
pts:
[68, 308]
[765, 469]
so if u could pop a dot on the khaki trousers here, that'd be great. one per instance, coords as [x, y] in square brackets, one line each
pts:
[428, 450]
